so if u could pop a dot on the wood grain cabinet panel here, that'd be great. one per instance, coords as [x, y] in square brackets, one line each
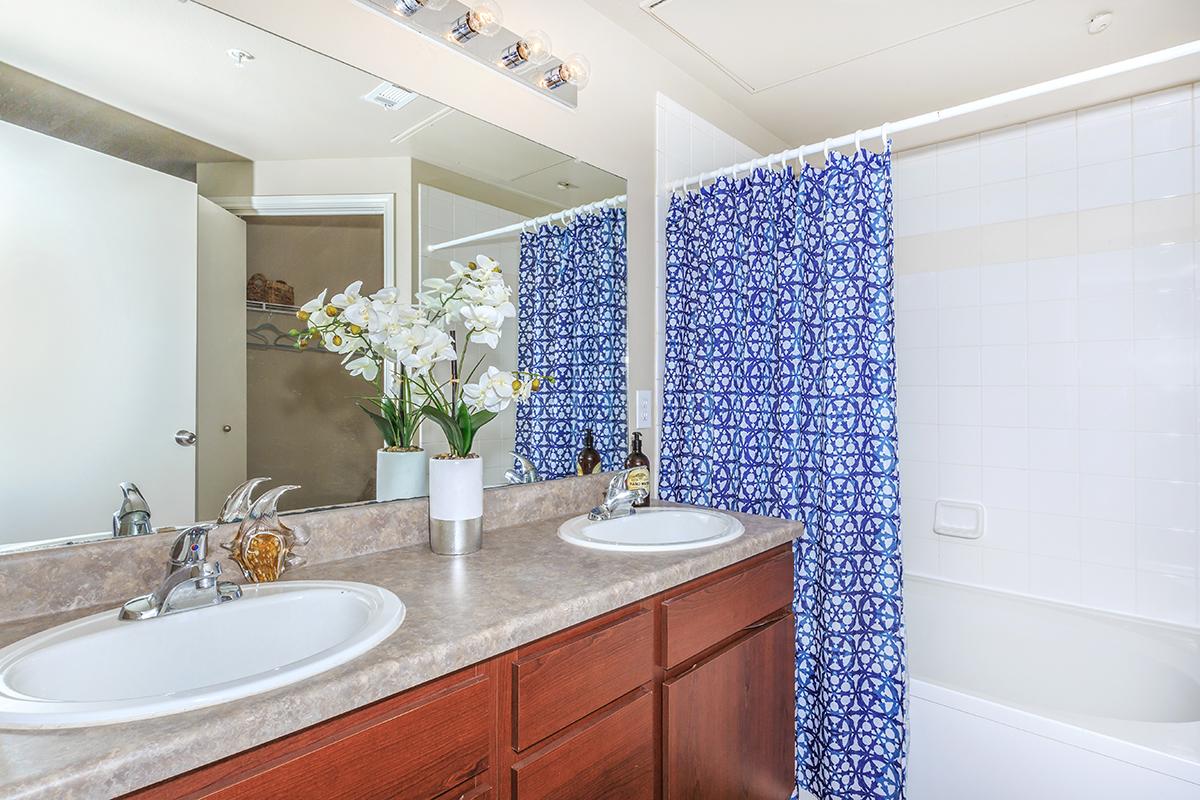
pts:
[728, 721]
[414, 750]
[703, 617]
[558, 686]
[609, 757]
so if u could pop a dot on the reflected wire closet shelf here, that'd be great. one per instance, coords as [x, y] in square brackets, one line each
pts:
[271, 308]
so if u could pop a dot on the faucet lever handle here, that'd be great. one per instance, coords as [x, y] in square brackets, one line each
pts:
[617, 484]
[191, 546]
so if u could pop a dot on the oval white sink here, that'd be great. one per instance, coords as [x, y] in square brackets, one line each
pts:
[100, 670]
[653, 530]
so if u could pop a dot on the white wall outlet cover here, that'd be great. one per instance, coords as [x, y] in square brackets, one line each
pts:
[644, 409]
[957, 518]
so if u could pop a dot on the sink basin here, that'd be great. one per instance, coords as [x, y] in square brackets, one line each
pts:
[99, 670]
[653, 530]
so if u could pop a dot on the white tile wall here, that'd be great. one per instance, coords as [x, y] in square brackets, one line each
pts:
[687, 144]
[1046, 332]
[445, 216]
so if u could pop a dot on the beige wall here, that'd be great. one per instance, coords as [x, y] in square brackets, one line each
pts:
[613, 128]
[330, 176]
[424, 174]
[302, 422]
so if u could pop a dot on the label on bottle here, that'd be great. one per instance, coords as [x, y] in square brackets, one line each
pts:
[639, 478]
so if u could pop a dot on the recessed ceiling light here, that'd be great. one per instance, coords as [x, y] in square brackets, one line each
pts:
[1100, 22]
[240, 57]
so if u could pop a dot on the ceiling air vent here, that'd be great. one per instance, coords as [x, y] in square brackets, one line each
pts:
[390, 96]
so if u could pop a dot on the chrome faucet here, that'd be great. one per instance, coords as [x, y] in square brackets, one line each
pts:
[132, 518]
[528, 473]
[191, 580]
[619, 498]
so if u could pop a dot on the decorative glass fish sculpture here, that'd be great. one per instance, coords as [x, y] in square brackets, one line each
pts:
[263, 546]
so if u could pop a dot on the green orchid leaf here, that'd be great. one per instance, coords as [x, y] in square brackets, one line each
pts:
[385, 427]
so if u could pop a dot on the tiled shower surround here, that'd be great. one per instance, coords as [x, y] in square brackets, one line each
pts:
[1046, 331]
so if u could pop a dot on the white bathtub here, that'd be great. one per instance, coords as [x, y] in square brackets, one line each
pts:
[1014, 698]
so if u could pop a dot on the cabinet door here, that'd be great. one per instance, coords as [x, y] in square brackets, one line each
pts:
[729, 722]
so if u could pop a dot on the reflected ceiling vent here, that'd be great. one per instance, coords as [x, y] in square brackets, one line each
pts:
[390, 96]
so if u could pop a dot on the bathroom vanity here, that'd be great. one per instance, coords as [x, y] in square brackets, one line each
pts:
[534, 668]
[689, 688]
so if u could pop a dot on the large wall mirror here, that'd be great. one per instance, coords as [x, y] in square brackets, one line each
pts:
[177, 184]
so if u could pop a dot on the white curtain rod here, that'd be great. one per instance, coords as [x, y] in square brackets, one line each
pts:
[608, 202]
[921, 120]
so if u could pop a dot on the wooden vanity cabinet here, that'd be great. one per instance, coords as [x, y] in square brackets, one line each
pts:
[687, 695]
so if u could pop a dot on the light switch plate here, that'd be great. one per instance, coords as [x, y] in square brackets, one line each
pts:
[645, 406]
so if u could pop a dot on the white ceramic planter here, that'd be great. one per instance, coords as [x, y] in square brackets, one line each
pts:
[399, 476]
[455, 505]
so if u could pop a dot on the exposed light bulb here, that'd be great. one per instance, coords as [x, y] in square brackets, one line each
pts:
[410, 7]
[485, 18]
[532, 49]
[575, 70]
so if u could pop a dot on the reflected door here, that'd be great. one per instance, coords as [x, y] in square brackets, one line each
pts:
[98, 263]
[221, 365]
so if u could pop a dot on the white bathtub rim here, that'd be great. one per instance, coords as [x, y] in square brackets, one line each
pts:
[1104, 744]
[1124, 616]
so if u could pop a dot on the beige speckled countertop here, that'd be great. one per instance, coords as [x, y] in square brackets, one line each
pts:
[526, 583]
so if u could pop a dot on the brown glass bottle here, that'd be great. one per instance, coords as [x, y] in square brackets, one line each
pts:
[589, 460]
[637, 458]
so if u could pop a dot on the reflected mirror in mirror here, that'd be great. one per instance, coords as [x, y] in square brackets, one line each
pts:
[178, 184]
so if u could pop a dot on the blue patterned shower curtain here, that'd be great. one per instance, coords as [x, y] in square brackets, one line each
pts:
[571, 324]
[779, 399]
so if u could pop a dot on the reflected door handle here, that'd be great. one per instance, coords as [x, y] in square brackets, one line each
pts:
[184, 438]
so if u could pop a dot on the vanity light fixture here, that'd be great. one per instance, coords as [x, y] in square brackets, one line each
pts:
[475, 29]
[484, 17]
[575, 70]
[533, 49]
[410, 7]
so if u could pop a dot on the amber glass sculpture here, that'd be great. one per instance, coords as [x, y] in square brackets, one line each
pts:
[263, 546]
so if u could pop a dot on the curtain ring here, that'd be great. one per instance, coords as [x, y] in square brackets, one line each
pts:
[883, 136]
[825, 149]
[857, 141]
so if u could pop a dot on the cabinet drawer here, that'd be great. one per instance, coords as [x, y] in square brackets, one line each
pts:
[412, 748]
[480, 792]
[610, 758]
[560, 685]
[702, 617]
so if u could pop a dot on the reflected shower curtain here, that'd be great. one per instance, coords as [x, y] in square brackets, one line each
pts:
[779, 399]
[571, 325]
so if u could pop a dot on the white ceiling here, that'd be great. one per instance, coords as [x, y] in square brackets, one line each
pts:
[166, 61]
[811, 69]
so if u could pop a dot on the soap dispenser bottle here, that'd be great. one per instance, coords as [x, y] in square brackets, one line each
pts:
[640, 479]
[588, 461]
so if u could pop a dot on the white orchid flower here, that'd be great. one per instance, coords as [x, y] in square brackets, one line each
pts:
[485, 322]
[493, 391]
[313, 308]
[386, 296]
[349, 297]
[364, 366]
[358, 313]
